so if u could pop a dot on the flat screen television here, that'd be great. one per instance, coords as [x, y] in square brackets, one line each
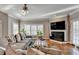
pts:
[58, 25]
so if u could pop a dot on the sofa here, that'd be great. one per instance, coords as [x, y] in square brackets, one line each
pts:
[18, 41]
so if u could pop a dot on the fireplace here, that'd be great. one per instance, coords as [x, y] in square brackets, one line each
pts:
[59, 36]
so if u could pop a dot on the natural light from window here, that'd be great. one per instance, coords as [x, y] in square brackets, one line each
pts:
[76, 32]
[32, 29]
[15, 28]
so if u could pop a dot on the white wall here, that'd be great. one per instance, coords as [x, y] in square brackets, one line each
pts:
[57, 20]
[4, 20]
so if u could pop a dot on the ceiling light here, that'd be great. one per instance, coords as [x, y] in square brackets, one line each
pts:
[24, 10]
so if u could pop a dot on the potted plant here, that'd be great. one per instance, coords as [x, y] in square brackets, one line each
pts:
[40, 34]
[23, 31]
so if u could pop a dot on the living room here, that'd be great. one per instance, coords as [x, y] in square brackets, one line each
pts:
[39, 29]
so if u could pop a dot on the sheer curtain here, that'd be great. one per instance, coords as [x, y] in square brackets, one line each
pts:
[75, 32]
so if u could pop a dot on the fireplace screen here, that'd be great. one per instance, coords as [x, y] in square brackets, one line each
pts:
[59, 36]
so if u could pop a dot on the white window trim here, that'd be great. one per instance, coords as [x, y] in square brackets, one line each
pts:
[76, 19]
[36, 27]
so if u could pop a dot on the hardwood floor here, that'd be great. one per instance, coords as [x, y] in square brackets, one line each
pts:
[67, 48]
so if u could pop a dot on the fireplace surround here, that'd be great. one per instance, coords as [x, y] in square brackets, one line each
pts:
[59, 36]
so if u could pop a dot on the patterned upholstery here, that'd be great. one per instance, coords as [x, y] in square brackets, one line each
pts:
[29, 44]
[18, 37]
[23, 36]
[12, 38]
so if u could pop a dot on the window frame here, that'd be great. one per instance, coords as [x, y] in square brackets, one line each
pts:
[14, 23]
[73, 31]
[36, 28]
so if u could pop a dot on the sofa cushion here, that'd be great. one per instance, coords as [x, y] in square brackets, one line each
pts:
[13, 38]
[2, 52]
[9, 38]
[18, 38]
[23, 36]
[18, 45]
[29, 44]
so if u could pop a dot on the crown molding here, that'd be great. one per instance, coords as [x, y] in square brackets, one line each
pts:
[60, 11]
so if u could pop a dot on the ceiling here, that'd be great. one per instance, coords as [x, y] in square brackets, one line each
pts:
[37, 11]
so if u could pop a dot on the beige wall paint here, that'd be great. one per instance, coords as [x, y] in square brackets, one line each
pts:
[4, 22]
[46, 29]
[4, 19]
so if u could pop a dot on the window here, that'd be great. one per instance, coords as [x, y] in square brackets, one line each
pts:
[32, 29]
[75, 31]
[27, 28]
[15, 28]
[40, 27]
